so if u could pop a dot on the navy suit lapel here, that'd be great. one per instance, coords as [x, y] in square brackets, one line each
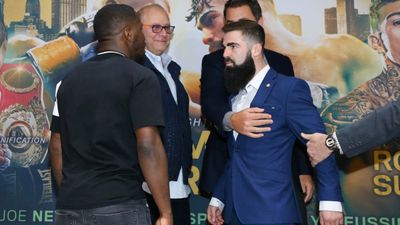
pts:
[147, 63]
[265, 89]
[174, 69]
[262, 94]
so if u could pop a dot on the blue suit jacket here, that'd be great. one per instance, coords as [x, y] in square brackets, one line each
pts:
[215, 103]
[257, 179]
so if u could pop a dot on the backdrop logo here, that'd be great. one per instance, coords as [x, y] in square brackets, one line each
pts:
[387, 179]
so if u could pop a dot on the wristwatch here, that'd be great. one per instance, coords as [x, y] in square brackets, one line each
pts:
[331, 143]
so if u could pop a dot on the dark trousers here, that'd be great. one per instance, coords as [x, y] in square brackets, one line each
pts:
[300, 200]
[134, 212]
[180, 210]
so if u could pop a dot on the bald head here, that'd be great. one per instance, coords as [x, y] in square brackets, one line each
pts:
[139, 4]
[152, 9]
[136, 4]
[157, 29]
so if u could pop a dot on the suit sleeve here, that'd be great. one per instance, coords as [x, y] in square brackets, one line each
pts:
[283, 65]
[219, 189]
[301, 163]
[302, 116]
[377, 128]
[214, 98]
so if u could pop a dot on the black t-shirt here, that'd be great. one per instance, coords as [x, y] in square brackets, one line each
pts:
[100, 104]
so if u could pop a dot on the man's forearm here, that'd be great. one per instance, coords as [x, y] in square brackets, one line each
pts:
[301, 163]
[226, 122]
[154, 165]
[56, 157]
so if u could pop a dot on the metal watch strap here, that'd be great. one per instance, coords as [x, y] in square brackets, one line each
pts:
[331, 143]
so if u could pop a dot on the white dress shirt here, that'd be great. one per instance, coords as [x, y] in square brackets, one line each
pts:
[55, 108]
[242, 101]
[177, 189]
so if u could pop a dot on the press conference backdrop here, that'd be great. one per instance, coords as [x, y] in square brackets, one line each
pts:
[327, 41]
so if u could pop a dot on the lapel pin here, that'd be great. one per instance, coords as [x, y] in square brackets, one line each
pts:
[268, 85]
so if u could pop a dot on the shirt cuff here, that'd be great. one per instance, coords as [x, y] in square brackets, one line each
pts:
[226, 122]
[217, 203]
[338, 144]
[330, 206]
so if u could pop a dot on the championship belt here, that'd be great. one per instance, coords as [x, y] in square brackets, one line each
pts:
[24, 125]
[55, 58]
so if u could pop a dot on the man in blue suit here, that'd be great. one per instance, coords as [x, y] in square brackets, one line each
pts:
[256, 186]
[215, 105]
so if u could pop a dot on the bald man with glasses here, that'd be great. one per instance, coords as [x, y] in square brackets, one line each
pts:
[176, 135]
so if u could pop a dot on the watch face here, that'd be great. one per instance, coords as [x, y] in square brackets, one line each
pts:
[330, 142]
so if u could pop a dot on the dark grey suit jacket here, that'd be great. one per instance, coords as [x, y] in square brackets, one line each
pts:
[377, 128]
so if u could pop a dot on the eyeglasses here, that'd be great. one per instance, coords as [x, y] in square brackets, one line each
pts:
[157, 28]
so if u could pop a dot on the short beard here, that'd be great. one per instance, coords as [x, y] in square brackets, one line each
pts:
[237, 76]
[139, 58]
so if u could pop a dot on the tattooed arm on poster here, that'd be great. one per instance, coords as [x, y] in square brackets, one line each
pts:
[365, 101]
[379, 127]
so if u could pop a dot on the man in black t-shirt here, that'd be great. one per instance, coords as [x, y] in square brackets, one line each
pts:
[105, 126]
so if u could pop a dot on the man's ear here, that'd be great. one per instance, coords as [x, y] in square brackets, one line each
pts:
[261, 21]
[128, 33]
[257, 50]
[375, 41]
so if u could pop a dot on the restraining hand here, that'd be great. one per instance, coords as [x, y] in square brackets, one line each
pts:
[251, 122]
[316, 149]
[214, 215]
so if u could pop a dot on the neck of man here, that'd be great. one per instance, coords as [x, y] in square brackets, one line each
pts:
[260, 63]
[158, 53]
[110, 45]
